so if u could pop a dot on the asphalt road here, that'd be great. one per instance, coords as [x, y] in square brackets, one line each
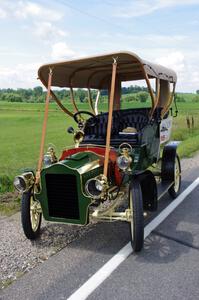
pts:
[167, 268]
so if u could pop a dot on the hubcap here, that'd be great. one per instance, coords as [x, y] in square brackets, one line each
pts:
[177, 176]
[35, 211]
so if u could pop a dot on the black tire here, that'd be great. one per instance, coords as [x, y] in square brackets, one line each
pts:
[137, 217]
[30, 231]
[174, 190]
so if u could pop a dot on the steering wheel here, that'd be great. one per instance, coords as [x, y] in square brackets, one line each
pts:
[91, 122]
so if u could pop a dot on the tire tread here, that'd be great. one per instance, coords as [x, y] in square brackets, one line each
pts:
[25, 217]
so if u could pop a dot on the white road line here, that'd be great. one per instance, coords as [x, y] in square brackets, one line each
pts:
[104, 272]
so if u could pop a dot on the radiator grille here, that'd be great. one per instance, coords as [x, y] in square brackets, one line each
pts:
[62, 196]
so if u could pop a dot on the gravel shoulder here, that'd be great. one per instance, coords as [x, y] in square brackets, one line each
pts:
[19, 255]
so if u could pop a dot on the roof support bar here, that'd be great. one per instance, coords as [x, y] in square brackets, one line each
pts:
[157, 96]
[73, 99]
[157, 89]
[44, 127]
[90, 101]
[55, 98]
[169, 101]
[153, 98]
[60, 104]
[93, 107]
[96, 102]
[110, 117]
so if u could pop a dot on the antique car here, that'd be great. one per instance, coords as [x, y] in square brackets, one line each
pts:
[122, 161]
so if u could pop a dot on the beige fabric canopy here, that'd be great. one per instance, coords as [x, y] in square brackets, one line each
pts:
[95, 72]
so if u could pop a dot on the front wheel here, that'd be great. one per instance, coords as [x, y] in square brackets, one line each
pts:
[30, 215]
[136, 215]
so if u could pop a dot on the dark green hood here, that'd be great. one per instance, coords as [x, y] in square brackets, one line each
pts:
[62, 195]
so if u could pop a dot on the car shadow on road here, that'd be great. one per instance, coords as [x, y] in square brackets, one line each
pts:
[162, 250]
[109, 237]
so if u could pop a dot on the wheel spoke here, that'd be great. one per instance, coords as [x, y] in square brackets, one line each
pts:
[177, 176]
[34, 214]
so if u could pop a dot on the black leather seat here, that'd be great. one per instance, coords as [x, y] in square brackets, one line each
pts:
[137, 118]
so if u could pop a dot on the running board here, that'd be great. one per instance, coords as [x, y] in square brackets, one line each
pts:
[162, 188]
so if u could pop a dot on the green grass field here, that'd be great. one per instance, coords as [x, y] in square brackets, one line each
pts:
[21, 124]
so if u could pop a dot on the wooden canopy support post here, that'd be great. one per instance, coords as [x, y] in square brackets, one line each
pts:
[153, 97]
[60, 104]
[157, 96]
[73, 99]
[169, 101]
[157, 89]
[117, 102]
[44, 127]
[117, 94]
[55, 98]
[110, 117]
[90, 101]
[96, 102]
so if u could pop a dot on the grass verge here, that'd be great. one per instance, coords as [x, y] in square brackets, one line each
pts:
[20, 131]
[9, 203]
[189, 146]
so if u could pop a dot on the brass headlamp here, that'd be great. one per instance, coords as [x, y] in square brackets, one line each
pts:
[96, 187]
[124, 160]
[50, 157]
[24, 182]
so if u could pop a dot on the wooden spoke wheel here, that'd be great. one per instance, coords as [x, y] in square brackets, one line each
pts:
[136, 215]
[30, 215]
[175, 188]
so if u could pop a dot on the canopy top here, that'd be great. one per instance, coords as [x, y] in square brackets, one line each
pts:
[95, 71]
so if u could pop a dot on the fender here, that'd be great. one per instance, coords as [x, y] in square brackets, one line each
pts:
[149, 190]
[168, 161]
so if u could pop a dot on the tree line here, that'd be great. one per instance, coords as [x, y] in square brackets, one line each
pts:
[37, 94]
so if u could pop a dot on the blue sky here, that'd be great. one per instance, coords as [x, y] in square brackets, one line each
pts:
[36, 32]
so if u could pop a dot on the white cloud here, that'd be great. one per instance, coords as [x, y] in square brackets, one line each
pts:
[160, 39]
[139, 8]
[48, 32]
[174, 60]
[2, 13]
[151, 40]
[22, 76]
[61, 51]
[195, 77]
[26, 9]
[186, 67]
[35, 18]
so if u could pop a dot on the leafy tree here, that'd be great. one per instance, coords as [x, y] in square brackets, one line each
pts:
[142, 96]
[130, 98]
[38, 95]
[81, 95]
[12, 97]
[38, 91]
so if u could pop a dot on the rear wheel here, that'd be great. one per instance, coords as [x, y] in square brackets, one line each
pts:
[136, 218]
[175, 188]
[30, 215]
